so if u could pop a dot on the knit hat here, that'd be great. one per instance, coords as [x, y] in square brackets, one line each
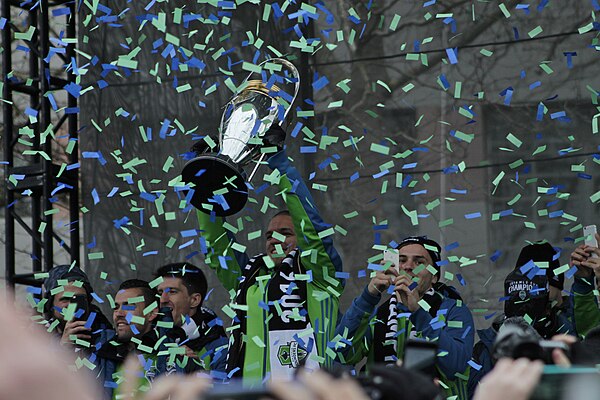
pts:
[432, 247]
[542, 252]
[69, 273]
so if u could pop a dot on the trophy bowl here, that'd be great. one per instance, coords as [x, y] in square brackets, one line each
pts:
[218, 180]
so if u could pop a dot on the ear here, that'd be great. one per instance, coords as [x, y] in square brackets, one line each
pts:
[195, 300]
[436, 277]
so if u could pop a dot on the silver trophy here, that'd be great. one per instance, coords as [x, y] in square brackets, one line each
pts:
[264, 99]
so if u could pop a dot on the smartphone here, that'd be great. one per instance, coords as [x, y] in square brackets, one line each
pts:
[589, 234]
[559, 383]
[420, 355]
[82, 312]
[393, 256]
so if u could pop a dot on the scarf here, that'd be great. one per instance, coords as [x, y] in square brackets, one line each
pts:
[386, 335]
[288, 319]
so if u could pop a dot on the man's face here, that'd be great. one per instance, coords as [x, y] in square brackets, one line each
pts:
[123, 306]
[175, 295]
[63, 299]
[415, 257]
[281, 238]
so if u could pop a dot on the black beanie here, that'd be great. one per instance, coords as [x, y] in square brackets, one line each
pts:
[432, 247]
[542, 252]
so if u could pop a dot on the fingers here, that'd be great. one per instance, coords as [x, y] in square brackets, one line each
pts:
[191, 353]
[326, 387]
[529, 373]
[381, 282]
[510, 379]
[566, 339]
[560, 358]
[178, 387]
[579, 255]
[284, 390]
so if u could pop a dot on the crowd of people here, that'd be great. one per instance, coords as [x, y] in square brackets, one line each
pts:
[288, 339]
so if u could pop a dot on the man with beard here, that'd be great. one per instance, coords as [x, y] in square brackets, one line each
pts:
[134, 314]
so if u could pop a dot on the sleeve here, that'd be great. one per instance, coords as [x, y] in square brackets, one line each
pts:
[313, 235]
[354, 329]
[217, 244]
[454, 332]
[585, 305]
[218, 350]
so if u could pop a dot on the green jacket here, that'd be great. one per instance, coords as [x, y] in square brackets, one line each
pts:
[318, 256]
[585, 305]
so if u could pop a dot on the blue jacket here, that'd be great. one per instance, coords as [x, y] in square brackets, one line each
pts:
[452, 328]
[108, 359]
[482, 353]
[482, 357]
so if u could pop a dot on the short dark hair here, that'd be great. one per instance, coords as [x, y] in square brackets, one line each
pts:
[192, 277]
[148, 293]
[282, 212]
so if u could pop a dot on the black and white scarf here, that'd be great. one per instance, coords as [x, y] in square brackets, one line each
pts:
[287, 302]
[386, 331]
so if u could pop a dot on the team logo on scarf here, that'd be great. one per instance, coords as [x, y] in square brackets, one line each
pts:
[291, 354]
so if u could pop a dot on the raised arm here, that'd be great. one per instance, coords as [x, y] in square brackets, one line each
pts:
[313, 235]
[354, 331]
[216, 243]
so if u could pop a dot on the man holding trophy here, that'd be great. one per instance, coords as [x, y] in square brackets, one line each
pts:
[286, 300]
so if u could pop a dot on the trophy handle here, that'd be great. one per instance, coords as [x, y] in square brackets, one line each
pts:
[262, 157]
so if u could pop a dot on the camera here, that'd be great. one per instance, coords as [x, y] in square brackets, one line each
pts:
[517, 339]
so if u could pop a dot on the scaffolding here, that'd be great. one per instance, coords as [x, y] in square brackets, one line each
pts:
[34, 175]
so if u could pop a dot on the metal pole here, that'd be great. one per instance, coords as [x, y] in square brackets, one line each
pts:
[45, 121]
[34, 100]
[73, 135]
[9, 223]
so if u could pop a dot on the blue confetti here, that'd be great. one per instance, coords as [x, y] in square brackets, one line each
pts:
[452, 53]
[473, 215]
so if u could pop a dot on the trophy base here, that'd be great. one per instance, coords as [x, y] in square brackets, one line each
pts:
[217, 181]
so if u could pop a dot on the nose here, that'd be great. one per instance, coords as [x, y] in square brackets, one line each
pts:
[272, 241]
[118, 313]
[164, 297]
[408, 265]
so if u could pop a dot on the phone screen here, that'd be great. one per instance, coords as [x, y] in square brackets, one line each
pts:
[83, 308]
[589, 234]
[573, 383]
[392, 256]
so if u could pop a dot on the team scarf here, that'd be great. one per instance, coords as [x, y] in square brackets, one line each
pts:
[289, 347]
[386, 332]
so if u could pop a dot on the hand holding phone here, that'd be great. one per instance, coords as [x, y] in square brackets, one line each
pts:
[589, 234]
[393, 256]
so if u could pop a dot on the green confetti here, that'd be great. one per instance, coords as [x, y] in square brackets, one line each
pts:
[514, 140]
[381, 149]
[395, 22]
[96, 256]
[535, 31]
[504, 10]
